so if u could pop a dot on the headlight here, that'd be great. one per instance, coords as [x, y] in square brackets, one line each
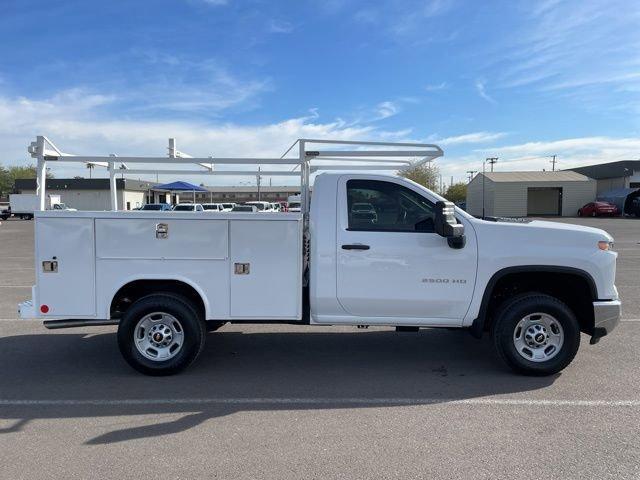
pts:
[605, 245]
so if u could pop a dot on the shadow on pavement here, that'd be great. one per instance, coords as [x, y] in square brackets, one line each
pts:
[434, 365]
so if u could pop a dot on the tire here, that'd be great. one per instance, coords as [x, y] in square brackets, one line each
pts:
[534, 309]
[177, 319]
[579, 213]
[594, 214]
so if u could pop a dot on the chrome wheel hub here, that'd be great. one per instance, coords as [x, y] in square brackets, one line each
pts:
[538, 337]
[159, 336]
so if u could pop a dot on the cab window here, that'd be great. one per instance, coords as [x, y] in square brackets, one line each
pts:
[375, 205]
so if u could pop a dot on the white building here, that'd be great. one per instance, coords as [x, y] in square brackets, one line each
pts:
[93, 193]
[520, 194]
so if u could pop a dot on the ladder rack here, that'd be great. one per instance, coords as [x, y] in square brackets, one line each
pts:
[345, 155]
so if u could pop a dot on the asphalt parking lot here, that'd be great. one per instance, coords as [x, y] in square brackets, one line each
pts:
[314, 402]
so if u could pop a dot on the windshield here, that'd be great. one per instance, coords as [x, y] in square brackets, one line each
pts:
[294, 204]
[210, 206]
[259, 206]
[183, 208]
[152, 207]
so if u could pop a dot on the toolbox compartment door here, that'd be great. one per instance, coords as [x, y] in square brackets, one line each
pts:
[69, 290]
[266, 269]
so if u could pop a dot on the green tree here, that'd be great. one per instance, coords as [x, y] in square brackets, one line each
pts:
[9, 175]
[456, 192]
[425, 174]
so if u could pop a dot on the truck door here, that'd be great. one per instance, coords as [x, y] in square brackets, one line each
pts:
[391, 263]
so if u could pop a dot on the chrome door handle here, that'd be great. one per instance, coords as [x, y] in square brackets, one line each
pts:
[355, 246]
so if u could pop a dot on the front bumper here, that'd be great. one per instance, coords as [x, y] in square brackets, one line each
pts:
[606, 316]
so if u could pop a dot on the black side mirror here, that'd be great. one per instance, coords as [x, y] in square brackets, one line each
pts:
[447, 226]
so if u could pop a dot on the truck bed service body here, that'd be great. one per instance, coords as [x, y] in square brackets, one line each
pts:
[370, 249]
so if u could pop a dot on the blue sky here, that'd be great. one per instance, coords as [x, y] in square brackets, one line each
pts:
[521, 80]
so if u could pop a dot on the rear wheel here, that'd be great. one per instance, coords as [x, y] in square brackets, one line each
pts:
[161, 334]
[536, 334]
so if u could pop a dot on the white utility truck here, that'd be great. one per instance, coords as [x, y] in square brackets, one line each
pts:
[24, 205]
[165, 278]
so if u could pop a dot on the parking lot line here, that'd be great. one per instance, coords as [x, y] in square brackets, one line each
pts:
[362, 401]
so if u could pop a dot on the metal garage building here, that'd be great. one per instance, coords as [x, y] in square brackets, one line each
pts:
[519, 194]
[613, 175]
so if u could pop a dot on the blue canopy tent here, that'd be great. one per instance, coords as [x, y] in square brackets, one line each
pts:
[620, 197]
[180, 187]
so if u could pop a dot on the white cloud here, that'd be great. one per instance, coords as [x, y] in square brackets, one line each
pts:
[480, 88]
[434, 87]
[467, 138]
[280, 26]
[80, 127]
[386, 109]
[571, 152]
[433, 8]
[578, 48]
[215, 3]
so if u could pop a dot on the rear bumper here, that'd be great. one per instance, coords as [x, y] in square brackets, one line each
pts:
[26, 310]
[606, 316]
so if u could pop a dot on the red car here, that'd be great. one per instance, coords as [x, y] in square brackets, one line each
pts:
[595, 209]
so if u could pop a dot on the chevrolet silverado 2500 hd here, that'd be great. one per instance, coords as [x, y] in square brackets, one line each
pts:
[414, 260]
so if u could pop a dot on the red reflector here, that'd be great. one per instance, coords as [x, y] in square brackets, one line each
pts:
[44, 308]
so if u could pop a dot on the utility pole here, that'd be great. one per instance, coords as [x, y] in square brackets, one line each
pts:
[553, 163]
[258, 180]
[492, 161]
[471, 172]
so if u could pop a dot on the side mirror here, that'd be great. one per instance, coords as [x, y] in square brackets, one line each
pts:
[447, 226]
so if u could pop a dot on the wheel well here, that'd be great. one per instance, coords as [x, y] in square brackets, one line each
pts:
[576, 290]
[132, 291]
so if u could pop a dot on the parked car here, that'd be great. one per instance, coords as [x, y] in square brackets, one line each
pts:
[284, 207]
[293, 203]
[634, 209]
[261, 206]
[227, 207]
[596, 209]
[188, 207]
[163, 207]
[245, 208]
[5, 210]
[213, 207]
[275, 207]
[363, 212]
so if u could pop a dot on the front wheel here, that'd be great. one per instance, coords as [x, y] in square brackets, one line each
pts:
[536, 334]
[161, 334]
